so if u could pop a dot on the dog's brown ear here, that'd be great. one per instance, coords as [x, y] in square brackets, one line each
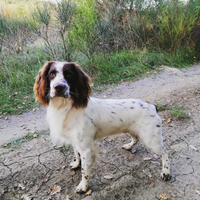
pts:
[80, 90]
[42, 85]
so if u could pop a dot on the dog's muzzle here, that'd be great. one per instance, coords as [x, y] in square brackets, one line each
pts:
[61, 90]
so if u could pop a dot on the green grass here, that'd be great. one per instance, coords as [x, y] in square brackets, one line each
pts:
[174, 112]
[162, 107]
[12, 145]
[17, 80]
[18, 75]
[66, 148]
[128, 65]
[177, 113]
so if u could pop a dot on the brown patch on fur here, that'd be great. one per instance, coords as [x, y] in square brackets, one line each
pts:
[42, 85]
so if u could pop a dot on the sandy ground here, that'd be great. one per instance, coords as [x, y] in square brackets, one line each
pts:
[33, 168]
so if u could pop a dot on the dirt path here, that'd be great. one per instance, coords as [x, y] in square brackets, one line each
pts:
[34, 167]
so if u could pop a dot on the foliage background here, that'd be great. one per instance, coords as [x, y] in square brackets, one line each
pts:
[111, 40]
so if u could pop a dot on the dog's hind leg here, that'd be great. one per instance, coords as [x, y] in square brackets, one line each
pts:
[75, 163]
[128, 146]
[153, 140]
[158, 149]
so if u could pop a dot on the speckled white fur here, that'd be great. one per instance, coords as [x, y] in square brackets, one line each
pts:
[101, 118]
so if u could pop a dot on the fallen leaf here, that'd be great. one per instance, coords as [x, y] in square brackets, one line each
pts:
[25, 97]
[108, 177]
[55, 190]
[198, 192]
[45, 180]
[163, 196]
[168, 120]
[163, 84]
[147, 158]
[192, 147]
[152, 183]
[89, 192]
[25, 197]
[155, 156]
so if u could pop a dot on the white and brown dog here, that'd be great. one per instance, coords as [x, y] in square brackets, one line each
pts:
[76, 118]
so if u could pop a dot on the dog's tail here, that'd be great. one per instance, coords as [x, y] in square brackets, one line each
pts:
[154, 105]
[156, 108]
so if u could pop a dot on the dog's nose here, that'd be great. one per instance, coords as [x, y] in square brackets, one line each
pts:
[60, 88]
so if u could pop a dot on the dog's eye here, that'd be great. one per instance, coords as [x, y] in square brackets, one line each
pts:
[52, 75]
[69, 77]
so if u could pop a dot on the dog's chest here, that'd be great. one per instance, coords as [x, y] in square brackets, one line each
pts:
[56, 119]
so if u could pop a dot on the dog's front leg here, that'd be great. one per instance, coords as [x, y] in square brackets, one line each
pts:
[75, 163]
[87, 159]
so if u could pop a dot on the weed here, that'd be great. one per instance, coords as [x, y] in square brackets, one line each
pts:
[162, 107]
[174, 112]
[12, 145]
[66, 148]
[177, 113]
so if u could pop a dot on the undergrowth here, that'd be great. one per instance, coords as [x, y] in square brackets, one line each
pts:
[113, 44]
[17, 79]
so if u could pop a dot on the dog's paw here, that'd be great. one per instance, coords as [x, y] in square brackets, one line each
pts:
[127, 146]
[74, 165]
[82, 187]
[165, 175]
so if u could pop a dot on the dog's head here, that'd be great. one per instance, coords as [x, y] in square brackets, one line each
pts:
[62, 79]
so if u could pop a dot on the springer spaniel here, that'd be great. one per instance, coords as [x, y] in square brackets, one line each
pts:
[76, 118]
